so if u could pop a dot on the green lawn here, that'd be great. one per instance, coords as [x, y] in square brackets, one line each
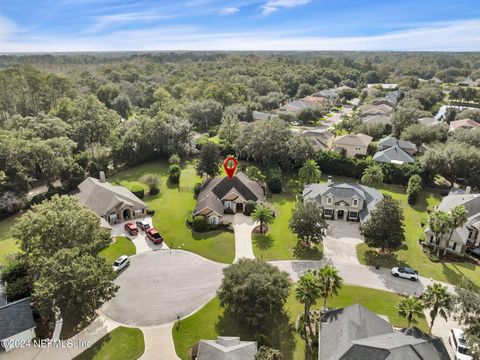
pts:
[121, 344]
[280, 243]
[121, 246]
[210, 321]
[173, 205]
[411, 254]
[8, 245]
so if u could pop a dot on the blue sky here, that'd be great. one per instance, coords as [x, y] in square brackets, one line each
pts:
[96, 25]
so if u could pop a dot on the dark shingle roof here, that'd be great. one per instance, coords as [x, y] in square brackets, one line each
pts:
[393, 154]
[15, 318]
[391, 141]
[355, 333]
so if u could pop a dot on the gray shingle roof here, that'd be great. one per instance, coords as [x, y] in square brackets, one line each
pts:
[353, 139]
[100, 197]
[15, 318]
[370, 195]
[378, 119]
[216, 188]
[391, 141]
[258, 115]
[226, 348]
[355, 333]
[393, 155]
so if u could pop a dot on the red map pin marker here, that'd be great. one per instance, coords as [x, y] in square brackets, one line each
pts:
[230, 165]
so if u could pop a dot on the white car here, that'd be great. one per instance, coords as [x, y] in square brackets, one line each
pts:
[460, 347]
[121, 263]
[405, 272]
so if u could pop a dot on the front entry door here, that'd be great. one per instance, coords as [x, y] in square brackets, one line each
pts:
[340, 214]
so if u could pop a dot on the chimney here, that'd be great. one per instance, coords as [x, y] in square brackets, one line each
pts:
[102, 176]
[329, 180]
[468, 190]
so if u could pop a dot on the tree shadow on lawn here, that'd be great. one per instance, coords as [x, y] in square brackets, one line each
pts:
[387, 260]
[263, 242]
[307, 253]
[205, 235]
[276, 332]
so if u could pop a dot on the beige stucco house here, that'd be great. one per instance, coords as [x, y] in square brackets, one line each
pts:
[219, 196]
[113, 204]
[353, 144]
[342, 201]
[464, 124]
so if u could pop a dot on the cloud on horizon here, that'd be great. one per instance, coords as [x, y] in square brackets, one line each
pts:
[275, 5]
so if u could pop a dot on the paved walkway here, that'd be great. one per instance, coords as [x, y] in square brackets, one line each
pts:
[242, 226]
[159, 343]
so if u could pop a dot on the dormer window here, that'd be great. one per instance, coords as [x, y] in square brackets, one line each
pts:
[329, 200]
[355, 202]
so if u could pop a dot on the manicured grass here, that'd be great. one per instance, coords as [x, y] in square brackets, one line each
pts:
[121, 344]
[121, 246]
[173, 205]
[8, 245]
[280, 243]
[411, 254]
[210, 321]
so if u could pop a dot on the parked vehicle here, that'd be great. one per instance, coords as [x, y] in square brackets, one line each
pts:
[143, 225]
[131, 229]
[121, 263]
[459, 345]
[405, 272]
[475, 252]
[154, 236]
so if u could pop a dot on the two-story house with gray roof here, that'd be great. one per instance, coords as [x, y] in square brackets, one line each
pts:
[342, 201]
[219, 196]
[464, 236]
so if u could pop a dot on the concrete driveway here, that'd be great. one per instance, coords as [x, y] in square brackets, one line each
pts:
[141, 242]
[159, 286]
[242, 226]
[340, 244]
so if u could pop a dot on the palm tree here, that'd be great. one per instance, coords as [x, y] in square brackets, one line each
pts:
[458, 218]
[439, 222]
[263, 215]
[307, 293]
[372, 175]
[438, 300]
[330, 282]
[410, 308]
[310, 172]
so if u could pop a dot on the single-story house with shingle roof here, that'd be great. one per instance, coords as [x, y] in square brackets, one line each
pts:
[16, 324]
[469, 82]
[428, 121]
[394, 155]
[377, 119]
[356, 333]
[219, 196]
[296, 106]
[352, 202]
[225, 348]
[111, 203]
[390, 141]
[259, 115]
[321, 139]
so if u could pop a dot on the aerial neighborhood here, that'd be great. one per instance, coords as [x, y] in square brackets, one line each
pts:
[251, 206]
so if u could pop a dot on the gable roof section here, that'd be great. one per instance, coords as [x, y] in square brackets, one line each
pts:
[15, 318]
[394, 155]
[428, 121]
[101, 197]
[464, 124]
[392, 141]
[378, 119]
[353, 139]
[354, 333]
[226, 348]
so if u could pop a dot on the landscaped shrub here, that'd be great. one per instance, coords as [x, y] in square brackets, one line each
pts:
[154, 191]
[14, 270]
[174, 172]
[200, 223]
[174, 159]
[275, 184]
[414, 187]
[137, 190]
[189, 220]
[197, 188]
[18, 289]
[249, 207]
[150, 212]
[153, 183]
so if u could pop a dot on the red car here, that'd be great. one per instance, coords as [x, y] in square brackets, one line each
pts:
[131, 229]
[154, 236]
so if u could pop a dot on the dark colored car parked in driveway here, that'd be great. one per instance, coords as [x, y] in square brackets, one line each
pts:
[475, 252]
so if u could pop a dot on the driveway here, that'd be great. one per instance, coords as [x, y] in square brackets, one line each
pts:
[141, 242]
[160, 286]
[242, 226]
[340, 244]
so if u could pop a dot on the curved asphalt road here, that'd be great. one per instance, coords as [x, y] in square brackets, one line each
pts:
[160, 285]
